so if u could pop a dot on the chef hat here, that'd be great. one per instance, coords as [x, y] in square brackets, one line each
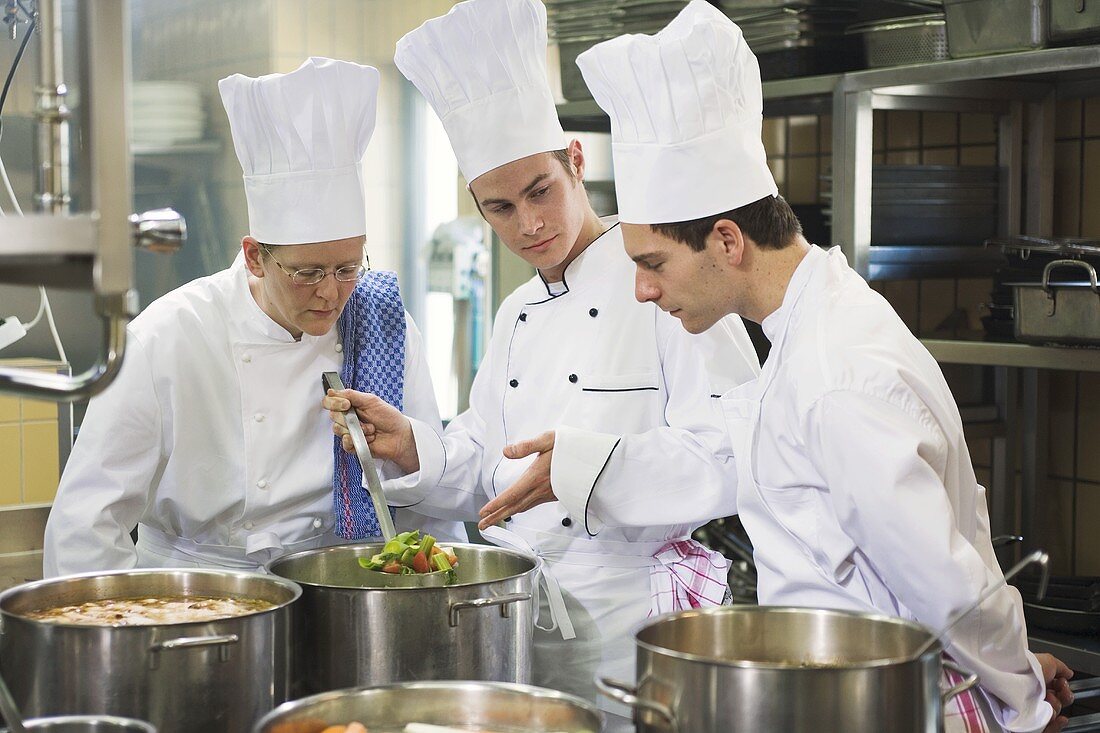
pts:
[482, 67]
[300, 138]
[685, 107]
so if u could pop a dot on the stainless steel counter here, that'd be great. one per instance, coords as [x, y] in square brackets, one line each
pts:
[21, 531]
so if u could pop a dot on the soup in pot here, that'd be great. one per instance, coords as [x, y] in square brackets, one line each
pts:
[152, 611]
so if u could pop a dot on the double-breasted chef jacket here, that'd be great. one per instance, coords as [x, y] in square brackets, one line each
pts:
[585, 354]
[212, 440]
[856, 485]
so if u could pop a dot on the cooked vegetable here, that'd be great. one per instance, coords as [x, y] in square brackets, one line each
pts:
[410, 553]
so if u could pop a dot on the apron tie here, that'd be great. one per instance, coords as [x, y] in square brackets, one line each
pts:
[559, 615]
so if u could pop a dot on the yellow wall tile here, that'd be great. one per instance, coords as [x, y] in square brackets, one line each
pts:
[9, 409]
[289, 22]
[11, 462]
[939, 128]
[940, 156]
[1062, 400]
[1067, 186]
[318, 28]
[40, 462]
[902, 294]
[937, 301]
[39, 410]
[878, 129]
[973, 294]
[978, 155]
[1088, 428]
[1088, 539]
[902, 129]
[981, 452]
[825, 133]
[977, 127]
[1090, 185]
[802, 180]
[903, 157]
[778, 167]
[774, 135]
[802, 131]
[1067, 122]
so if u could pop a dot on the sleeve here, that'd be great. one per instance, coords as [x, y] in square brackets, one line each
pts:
[448, 483]
[879, 461]
[681, 473]
[109, 477]
[420, 511]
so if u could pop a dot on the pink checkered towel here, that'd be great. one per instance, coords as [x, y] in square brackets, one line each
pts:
[690, 576]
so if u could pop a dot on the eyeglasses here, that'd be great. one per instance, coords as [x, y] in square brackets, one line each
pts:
[314, 275]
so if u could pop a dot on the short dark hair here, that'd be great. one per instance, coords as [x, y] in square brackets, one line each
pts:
[562, 156]
[769, 222]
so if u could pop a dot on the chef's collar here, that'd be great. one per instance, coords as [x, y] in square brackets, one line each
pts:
[772, 324]
[579, 275]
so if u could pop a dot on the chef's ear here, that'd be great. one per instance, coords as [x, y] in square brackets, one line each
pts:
[576, 159]
[253, 256]
[731, 239]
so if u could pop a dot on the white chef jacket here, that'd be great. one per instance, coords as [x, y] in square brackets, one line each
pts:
[856, 486]
[212, 439]
[590, 357]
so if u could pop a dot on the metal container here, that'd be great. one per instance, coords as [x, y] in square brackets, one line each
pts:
[183, 678]
[915, 39]
[741, 669]
[1075, 21]
[350, 630]
[1058, 312]
[980, 27]
[87, 724]
[473, 705]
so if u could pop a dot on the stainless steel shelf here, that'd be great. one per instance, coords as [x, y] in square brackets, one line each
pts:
[1081, 653]
[902, 262]
[993, 353]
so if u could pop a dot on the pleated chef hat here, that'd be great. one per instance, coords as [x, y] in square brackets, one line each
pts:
[685, 107]
[482, 68]
[300, 138]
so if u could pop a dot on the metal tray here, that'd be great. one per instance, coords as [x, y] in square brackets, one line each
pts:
[980, 27]
[1062, 313]
[1060, 619]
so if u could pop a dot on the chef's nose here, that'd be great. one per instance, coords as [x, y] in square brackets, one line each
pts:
[530, 220]
[644, 289]
[328, 288]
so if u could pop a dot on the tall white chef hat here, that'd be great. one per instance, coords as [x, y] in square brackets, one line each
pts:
[300, 138]
[685, 107]
[482, 67]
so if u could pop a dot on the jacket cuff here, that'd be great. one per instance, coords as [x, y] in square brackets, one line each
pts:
[410, 489]
[579, 458]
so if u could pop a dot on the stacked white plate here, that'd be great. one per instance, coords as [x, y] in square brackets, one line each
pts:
[166, 113]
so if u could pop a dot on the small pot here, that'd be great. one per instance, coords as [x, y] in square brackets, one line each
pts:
[736, 669]
[473, 705]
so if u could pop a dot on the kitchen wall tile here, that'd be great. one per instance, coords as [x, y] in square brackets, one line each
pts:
[940, 156]
[1090, 190]
[977, 127]
[981, 452]
[1092, 116]
[39, 410]
[903, 157]
[937, 302]
[9, 409]
[1088, 428]
[1067, 123]
[11, 465]
[318, 26]
[802, 181]
[973, 293]
[40, 462]
[289, 27]
[903, 296]
[978, 155]
[348, 25]
[939, 128]
[1088, 539]
[775, 136]
[1062, 423]
[1054, 523]
[902, 129]
[878, 158]
[879, 122]
[825, 133]
[1067, 187]
[802, 132]
[778, 168]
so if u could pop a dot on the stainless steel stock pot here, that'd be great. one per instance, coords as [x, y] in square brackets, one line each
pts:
[350, 629]
[183, 678]
[736, 669]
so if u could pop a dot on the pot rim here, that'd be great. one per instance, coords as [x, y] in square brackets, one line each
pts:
[34, 586]
[539, 692]
[144, 725]
[934, 650]
[270, 568]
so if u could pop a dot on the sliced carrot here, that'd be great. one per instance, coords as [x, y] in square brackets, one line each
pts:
[392, 567]
[420, 563]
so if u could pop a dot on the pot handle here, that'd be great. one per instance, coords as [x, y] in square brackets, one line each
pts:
[189, 642]
[970, 680]
[502, 601]
[1069, 263]
[628, 695]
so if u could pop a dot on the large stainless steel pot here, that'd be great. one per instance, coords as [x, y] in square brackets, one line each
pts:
[87, 724]
[735, 669]
[350, 630]
[184, 678]
[474, 705]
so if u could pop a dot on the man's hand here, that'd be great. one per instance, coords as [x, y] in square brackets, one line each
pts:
[1056, 675]
[532, 488]
[388, 432]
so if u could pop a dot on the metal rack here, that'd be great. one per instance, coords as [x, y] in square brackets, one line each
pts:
[1022, 90]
